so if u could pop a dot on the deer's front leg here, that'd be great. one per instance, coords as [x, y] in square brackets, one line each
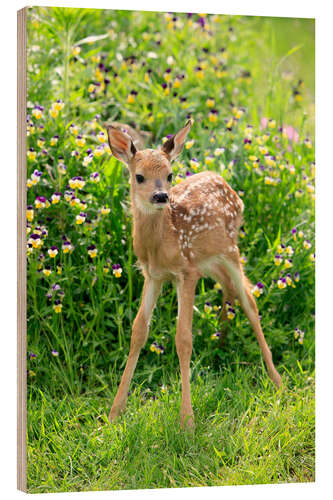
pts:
[185, 291]
[139, 336]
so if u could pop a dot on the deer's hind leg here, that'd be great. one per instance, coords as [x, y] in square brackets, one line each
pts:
[233, 268]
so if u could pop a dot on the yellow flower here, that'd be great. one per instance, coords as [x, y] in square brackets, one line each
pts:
[130, 99]
[210, 103]
[53, 252]
[105, 210]
[30, 214]
[47, 271]
[80, 141]
[31, 154]
[54, 112]
[76, 50]
[37, 113]
[80, 218]
[189, 144]
[218, 286]
[57, 308]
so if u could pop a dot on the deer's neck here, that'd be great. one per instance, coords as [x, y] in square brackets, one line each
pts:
[152, 234]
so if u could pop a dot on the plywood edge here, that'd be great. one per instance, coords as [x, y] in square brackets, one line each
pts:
[21, 251]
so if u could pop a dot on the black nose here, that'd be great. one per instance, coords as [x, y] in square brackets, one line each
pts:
[160, 197]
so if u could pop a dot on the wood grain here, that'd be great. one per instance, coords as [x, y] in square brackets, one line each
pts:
[21, 251]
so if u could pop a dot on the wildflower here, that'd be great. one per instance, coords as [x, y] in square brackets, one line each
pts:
[312, 257]
[207, 307]
[94, 177]
[74, 129]
[194, 163]
[278, 259]
[288, 263]
[37, 112]
[238, 112]
[30, 213]
[55, 287]
[40, 142]
[210, 103]
[54, 352]
[87, 159]
[230, 310]
[59, 104]
[308, 143]
[199, 72]
[300, 234]
[53, 112]
[59, 269]
[131, 97]
[243, 259]
[53, 252]
[67, 247]
[55, 198]
[189, 144]
[92, 251]
[209, 160]
[293, 232]
[31, 373]
[76, 50]
[158, 348]
[117, 270]
[212, 115]
[288, 279]
[105, 210]
[164, 390]
[77, 182]
[31, 154]
[62, 168]
[99, 150]
[258, 289]
[32, 355]
[297, 276]
[307, 244]
[271, 123]
[282, 283]
[106, 269]
[40, 202]
[57, 306]
[242, 233]
[101, 137]
[47, 271]
[289, 250]
[80, 140]
[35, 241]
[218, 286]
[54, 140]
[215, 336]
[299, 335]
[81, 218]
[219, 151]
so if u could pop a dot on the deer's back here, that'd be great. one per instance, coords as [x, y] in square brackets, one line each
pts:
[207, 214]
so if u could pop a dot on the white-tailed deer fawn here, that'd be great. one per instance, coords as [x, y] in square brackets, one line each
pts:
[181, 233]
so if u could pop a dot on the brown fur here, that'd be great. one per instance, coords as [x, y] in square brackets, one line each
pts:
[193, 235]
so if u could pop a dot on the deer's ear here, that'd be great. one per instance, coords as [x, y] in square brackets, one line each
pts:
[174, 145]
[121, 145]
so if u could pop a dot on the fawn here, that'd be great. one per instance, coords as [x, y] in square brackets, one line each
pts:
[181, 233]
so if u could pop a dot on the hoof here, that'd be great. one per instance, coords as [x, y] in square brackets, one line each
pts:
[187, 422]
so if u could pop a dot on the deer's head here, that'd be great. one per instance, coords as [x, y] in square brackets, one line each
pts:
[150, 169]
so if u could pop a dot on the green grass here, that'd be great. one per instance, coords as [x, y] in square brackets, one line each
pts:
[246, 433]
[253, 68]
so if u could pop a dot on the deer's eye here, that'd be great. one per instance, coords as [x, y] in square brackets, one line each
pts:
[139, 178]
[169, 177]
